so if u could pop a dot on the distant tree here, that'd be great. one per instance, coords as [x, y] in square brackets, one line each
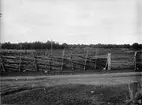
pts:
[65, 45]
[56, 45]
[127, 46]
[136, 46]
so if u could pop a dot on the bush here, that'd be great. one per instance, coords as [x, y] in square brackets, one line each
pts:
[136, 46]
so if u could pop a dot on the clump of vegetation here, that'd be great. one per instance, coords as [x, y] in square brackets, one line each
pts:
[136, 46]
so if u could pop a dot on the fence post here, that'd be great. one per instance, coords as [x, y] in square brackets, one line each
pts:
[109, 61]
[135, 63]
[35, 62]
[62, 65]
[71, 61]
[96, 54]
[3, 65]
[134, 88]
[85, 61]
[50, 62]
[20, 61]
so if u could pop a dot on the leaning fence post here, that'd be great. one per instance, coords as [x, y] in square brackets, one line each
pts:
[3, 65]
[109, 61]
[85, 60]
[35, 62]
[135, 63]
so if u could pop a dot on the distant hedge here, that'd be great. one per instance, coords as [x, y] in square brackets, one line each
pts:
[56, 45]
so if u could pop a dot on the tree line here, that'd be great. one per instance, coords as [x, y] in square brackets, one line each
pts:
[56, 45]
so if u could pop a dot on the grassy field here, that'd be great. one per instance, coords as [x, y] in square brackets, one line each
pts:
[72, 94]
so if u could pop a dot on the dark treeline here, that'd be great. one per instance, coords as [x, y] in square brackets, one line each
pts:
[56, 45]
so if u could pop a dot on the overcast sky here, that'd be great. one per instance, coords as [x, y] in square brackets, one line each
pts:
[71, 21]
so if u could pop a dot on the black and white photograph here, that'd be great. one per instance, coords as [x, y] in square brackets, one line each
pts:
[70, 52]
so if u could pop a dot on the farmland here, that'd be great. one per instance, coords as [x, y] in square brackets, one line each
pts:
[68, 77]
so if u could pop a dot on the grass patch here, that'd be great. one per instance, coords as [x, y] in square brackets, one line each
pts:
[70, 94]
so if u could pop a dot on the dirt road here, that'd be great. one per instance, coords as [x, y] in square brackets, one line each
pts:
[19, 90]
[97, 79]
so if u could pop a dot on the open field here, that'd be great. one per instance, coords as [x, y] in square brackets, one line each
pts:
[65, 77]
[95, 89]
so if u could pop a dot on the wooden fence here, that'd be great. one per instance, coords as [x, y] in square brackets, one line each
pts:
[67, 63]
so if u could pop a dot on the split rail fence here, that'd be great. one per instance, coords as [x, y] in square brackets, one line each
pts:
[70, 63]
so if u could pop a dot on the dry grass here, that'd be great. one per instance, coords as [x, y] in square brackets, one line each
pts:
[69, 94]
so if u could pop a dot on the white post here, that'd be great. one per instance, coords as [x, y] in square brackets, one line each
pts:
[109, 61]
